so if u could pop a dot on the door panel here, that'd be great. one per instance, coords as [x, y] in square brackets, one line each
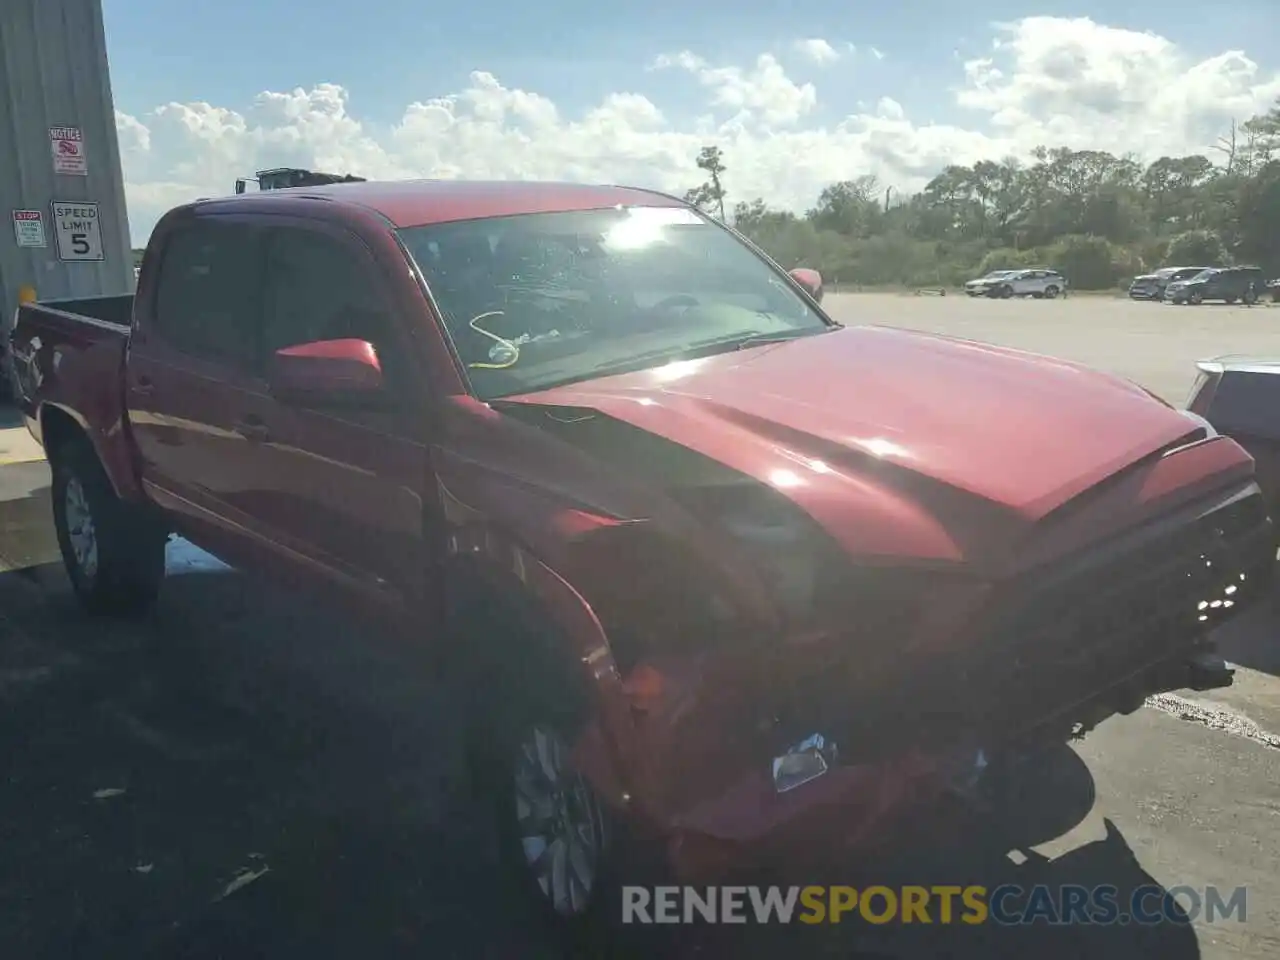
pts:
[343, 488]
[346, 497]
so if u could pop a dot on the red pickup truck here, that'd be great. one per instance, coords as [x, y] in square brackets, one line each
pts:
[714, 567]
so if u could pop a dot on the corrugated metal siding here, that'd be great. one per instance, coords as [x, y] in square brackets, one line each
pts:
[53, 72]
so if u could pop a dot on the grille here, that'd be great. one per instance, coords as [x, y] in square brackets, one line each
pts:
[1183, 578]
[1055, 637]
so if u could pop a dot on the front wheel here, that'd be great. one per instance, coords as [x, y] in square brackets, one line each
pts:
[558, 843]
[113, 556]
[1051, 292]
[1196, 298]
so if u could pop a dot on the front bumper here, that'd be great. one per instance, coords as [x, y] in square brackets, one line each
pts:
[1058, 651]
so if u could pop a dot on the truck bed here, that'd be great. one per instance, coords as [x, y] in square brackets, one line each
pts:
[68, 355]
[116, 309]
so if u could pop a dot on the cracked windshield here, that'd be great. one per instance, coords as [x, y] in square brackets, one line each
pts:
[700, 482]
[544, 299]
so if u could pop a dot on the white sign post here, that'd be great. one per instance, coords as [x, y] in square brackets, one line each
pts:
[67, 146]
[28, 228]
[78, 232]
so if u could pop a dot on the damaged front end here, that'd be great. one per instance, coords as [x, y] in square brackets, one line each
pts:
[781, 693]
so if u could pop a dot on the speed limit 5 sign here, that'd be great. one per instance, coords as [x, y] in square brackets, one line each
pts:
[77, 229]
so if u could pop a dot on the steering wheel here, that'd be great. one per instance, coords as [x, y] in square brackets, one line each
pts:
[678, 300]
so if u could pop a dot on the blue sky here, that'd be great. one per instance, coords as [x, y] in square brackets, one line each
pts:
[387, 52]
[916, 85]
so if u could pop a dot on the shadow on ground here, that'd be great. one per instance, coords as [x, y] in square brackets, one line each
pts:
[243, 776]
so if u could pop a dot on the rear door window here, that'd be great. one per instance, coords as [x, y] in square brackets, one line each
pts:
[209, 290]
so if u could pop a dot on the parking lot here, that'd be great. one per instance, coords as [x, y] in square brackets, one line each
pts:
[247, 774]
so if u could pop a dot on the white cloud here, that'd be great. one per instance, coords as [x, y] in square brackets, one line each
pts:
[818, 50]
[763, 90]
[1047, 81]
[877, 53]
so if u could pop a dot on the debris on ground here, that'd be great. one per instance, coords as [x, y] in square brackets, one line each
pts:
[246, 876]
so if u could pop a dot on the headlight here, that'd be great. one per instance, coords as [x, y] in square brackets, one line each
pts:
[784, 552]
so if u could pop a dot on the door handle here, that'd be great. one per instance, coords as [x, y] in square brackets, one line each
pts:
[253, 429]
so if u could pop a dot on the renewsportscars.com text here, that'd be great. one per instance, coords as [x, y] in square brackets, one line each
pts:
[1007, 905]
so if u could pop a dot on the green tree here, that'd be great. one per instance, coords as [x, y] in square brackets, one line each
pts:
[1096, 216]
[709, 195]
[1195, 248]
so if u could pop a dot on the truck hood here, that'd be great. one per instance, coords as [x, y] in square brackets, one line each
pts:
[867, 425]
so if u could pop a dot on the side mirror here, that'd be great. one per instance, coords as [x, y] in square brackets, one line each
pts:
[240, 185]
[811, 280]
[327, 372]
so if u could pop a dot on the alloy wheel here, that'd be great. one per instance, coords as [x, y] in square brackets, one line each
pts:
[560, 822]
[81, 532]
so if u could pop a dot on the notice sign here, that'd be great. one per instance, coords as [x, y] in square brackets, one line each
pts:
[67, 146]
[28, 228]
[76, 227]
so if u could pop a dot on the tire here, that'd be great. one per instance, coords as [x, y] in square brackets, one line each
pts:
[1005, 292]
[518, 749]
[1229, 300]
[113, 553]
[1051, 291]
[1195, 298]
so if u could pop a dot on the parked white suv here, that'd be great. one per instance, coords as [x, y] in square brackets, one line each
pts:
[1018, 283]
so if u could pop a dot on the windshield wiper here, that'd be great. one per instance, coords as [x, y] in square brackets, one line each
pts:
[756, 339]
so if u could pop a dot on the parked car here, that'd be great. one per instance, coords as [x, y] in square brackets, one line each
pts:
[1239, 396]
[1273, 288]
[715, 571]
[1151, 286]
[1229, 284]
[984, 286]
[1018, 283]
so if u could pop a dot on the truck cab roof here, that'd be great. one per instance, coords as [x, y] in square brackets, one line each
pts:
[414, 203]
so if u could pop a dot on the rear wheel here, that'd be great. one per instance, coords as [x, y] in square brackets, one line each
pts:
[1006, 292]
[113, 553]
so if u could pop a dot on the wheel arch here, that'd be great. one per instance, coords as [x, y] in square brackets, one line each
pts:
[504, 583]
[60, 424]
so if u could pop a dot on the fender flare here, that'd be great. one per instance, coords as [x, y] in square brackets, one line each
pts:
[112, 453]
[485, 561]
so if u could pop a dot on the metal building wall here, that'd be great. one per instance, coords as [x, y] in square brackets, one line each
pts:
[53, 73]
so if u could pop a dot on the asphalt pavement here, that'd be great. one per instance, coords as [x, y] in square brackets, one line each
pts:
[250, 774]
